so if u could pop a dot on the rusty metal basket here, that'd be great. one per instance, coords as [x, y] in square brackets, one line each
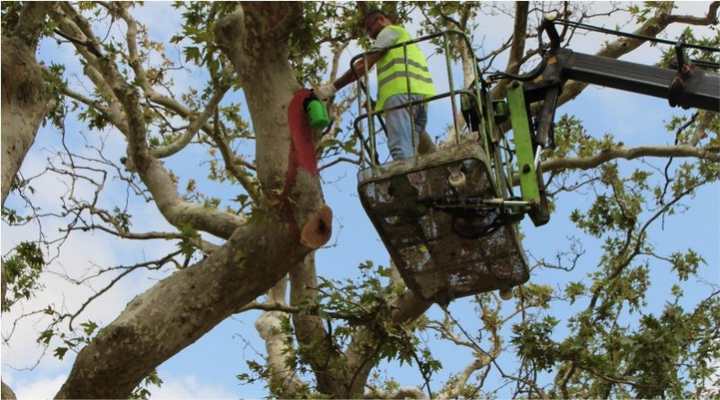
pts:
[445, 241]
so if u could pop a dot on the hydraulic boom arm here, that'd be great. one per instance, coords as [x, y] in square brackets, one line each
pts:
[688, 86]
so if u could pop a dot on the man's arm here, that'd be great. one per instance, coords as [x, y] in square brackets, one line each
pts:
[386, 38]
[360, 69]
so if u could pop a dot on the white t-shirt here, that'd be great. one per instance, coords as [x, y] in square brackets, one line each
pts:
[386, 38]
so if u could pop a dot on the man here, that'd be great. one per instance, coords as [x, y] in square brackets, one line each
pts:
[404, 126]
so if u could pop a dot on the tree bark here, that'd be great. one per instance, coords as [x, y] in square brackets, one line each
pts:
[284, 381]
[25, 99]
[181, 308]
[315, 345]
[7, 392]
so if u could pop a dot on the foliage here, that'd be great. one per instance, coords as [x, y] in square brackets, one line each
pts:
[21, 273]
[597, 330]
[142, 391]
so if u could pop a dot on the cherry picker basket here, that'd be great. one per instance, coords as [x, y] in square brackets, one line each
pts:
[445, 244]
[447, 218]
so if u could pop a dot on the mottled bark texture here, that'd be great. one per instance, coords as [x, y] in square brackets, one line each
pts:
[181, 308]
[25, 99]
[7, 392]
[284, 382]
[255, 38]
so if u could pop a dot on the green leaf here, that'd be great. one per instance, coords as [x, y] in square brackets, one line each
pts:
[192, 53]
[60, 352]
[89, 327]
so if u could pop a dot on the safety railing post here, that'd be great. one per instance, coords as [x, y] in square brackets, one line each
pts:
[452, 86]
[480, 101]
[371, 116]
[359, 136]
[408, 107]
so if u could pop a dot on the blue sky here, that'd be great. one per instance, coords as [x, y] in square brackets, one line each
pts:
[208, 367]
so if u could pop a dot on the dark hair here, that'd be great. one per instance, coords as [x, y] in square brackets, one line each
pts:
[374, 14]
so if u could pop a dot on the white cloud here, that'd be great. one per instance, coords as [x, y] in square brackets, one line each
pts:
[81, 255]
[173, 388]
[188, 387]
[75, 259]
[45, 388]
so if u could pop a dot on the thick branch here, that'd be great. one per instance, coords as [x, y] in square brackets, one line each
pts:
[711, 18]
[263, 45]
[25, 98]
[68, 28]
[517, 46]
[197, 123]
[155, 176]
[7, 392]
[519, 32]
[134, 59]
[283, 380]
[629, 154]
[315, 345]
[192, 300]
[31, 22]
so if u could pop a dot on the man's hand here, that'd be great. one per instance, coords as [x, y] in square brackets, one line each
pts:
[325, 91]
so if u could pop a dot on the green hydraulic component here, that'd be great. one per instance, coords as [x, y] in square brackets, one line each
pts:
[317, 113]
[531, 184]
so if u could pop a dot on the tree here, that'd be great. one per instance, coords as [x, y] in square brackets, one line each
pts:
[324, 337]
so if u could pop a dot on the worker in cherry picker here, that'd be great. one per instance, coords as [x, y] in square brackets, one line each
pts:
[404, 125]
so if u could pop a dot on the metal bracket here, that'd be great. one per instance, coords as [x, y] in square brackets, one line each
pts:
[685, 71]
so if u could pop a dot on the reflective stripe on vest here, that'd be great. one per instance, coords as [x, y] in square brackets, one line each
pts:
[395, 76]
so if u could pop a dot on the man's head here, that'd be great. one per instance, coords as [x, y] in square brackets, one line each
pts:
[375, 21]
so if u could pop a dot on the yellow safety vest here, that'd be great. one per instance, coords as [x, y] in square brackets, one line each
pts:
[395, 76]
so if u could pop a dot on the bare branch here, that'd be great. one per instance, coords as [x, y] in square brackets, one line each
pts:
[629, 154]
[113, 113]
[233, 164]
[155, 176]
[197, 123]
[517, 47]
[283, 380]
[519, 31]
[711, 18]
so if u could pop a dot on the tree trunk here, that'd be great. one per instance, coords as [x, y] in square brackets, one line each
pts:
[181, 308]
[24, 105]
[7, 392]
[178, 310]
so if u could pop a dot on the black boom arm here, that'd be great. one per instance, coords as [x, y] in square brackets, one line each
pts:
[688, 86]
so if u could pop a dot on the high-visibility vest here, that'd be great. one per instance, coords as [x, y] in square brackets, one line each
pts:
[395, 76]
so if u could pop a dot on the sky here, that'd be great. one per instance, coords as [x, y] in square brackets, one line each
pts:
[636, 119]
